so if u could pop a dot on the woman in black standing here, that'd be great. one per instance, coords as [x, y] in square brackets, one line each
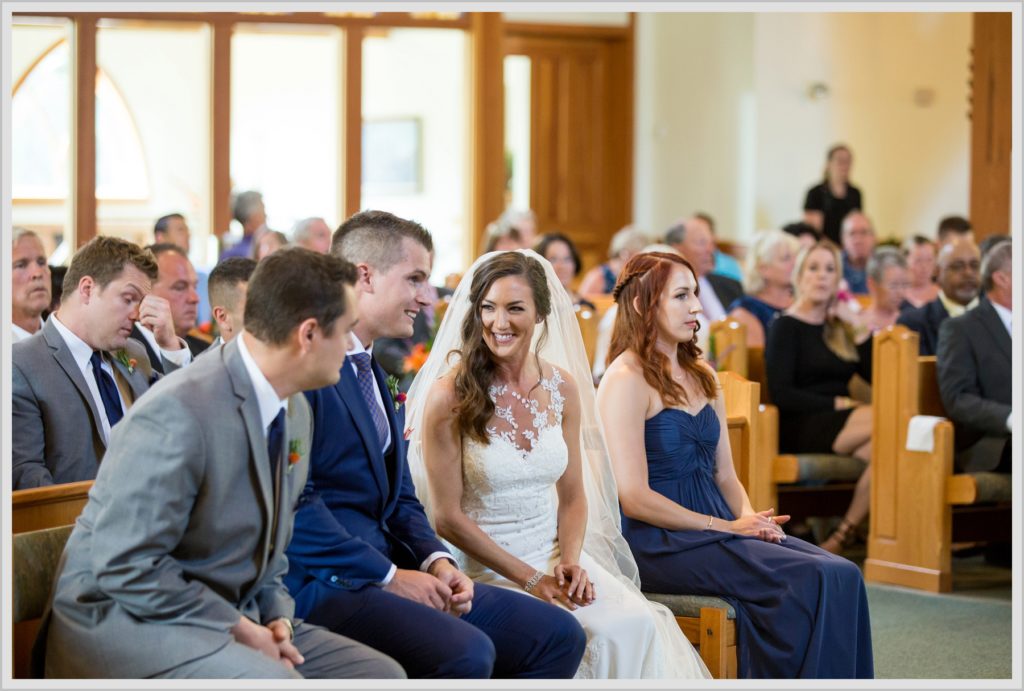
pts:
[828, 202]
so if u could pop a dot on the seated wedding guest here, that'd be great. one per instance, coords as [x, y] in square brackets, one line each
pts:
[74, 380]
[601, 279]
[806, 234]
[174, 567]
[888, 282]
[858, 243]
[800, 611]
[694, 241]
[30, 284]
[560, 250]
[828, 203]
[768, 282]
[228, 283]
[953, 228]
[809, 358]
[172, 228]
[178, 284]
[974, 368]
[959, 263]
[499, 433]
[919, 252]
[247, 208]
[524, 221]
[990, 242]
[313, 234]
[725, 264]
[268, 242]
[364, 561]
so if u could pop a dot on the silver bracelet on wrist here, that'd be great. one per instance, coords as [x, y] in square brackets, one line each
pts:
[708, 526]
[534, 580]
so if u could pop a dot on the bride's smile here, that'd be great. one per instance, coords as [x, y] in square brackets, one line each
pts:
[508, 316]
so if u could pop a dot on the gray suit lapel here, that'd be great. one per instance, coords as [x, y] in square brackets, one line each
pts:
[249, 408]
[62, 354]
[135, 378]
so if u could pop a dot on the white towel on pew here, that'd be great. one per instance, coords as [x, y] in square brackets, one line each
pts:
[919, 432]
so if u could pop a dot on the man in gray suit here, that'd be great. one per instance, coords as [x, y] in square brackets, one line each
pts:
[974, 368]
[74, 379]
[175, 567]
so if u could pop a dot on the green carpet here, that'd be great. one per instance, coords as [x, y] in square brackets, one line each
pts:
[923, 636]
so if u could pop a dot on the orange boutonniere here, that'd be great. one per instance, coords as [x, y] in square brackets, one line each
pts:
[129, 362]
[294, 453]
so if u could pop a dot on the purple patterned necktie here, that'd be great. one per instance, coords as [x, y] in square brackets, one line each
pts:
[364, 375]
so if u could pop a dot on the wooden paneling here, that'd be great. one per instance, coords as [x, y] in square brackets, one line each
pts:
[353, 173]
[581, 123]
[488, 123]
[84, 135]
[991, 115]
[220, 128]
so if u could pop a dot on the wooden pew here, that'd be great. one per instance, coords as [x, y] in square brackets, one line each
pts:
[48, 507]
[728, 343]
[914, 493]
[588, 320]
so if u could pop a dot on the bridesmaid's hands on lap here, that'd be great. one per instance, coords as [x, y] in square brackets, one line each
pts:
[761, 525]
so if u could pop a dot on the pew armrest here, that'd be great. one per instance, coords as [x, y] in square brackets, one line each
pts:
[785, 469]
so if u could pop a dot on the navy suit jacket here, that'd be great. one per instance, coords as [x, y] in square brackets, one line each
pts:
[925, 320]
[354, 519]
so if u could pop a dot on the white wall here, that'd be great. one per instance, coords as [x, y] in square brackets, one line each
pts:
[724, 122]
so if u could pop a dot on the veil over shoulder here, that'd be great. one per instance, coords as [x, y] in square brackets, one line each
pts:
[564, 348]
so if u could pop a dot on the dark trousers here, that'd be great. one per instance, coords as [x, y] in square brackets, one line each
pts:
[506, 634]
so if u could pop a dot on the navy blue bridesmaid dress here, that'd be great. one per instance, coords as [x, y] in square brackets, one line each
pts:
[801, 612]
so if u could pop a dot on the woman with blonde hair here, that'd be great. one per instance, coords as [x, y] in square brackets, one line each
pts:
[601, 279]
[800, 611]
[810, 356]
[768, 280]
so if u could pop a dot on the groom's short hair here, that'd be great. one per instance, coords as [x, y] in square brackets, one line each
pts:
[375, 238]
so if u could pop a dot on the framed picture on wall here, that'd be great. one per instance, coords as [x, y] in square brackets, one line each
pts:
[392, 156]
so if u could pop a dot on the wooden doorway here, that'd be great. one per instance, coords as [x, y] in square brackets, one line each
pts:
[580, 130]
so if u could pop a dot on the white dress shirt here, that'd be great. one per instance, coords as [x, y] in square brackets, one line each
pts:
[268, 400]
[82, 353]
[19, 334]
[178, 357]
[712, 310]
[357, 347]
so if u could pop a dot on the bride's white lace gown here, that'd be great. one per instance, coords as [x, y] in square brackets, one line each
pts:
[509, 491]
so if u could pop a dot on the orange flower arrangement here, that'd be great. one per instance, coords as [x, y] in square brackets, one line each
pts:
[415, 359]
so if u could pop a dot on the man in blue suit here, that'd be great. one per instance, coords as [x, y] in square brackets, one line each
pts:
[364, 560]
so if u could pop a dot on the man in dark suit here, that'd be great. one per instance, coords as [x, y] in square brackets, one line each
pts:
[694, 240]
[975, 365]
[75, 379]
[364, 560]
[959, 263]
[174, 568]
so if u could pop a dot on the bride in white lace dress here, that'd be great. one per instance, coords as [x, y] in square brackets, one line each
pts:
[505, 452]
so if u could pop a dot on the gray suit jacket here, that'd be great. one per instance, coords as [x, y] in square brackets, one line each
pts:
[183, 532]
[974, 366]
[57, 435]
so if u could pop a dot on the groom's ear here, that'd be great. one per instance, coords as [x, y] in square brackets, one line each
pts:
[364, 272]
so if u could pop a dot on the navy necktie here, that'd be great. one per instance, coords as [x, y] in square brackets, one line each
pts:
[108, 390]
[365, 377]
[275, 438]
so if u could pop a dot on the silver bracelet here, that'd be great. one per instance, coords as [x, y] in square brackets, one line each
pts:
[708, 526]
[534, 580]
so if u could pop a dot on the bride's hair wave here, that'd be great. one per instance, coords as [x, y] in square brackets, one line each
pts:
[643, 280]
[475, 370]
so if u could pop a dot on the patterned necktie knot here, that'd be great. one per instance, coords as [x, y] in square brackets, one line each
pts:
[362, 361]
[364, 376]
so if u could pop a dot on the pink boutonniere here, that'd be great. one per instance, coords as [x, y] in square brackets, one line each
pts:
[397, 395]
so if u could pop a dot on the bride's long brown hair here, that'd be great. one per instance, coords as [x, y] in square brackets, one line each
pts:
[643, 280]
[475, 372]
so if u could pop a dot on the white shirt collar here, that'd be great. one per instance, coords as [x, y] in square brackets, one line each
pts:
[80, 350]
[955, 309]
[20, 334]
[270, 404]
[1004, 314]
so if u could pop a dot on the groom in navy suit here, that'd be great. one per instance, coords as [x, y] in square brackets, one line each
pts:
[364, 561]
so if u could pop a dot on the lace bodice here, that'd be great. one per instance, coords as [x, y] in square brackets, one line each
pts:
[508, 490]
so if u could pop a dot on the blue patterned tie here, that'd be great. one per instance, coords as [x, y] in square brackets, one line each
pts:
[365, 377]
[108, 390]
[275, 437]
